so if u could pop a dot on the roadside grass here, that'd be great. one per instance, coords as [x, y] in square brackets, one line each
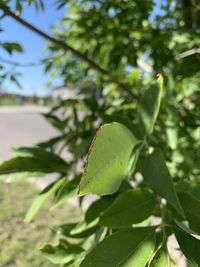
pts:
[10, 102]
[19, 241]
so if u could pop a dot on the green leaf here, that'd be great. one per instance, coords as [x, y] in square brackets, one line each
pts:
[84, 227]
[31, 162]
[91, 219]
[10, 47]
[41, 154]
[185, 228]
[120, 119]
[87, 230]
[149, 107]
[97, 207]
[125, 185]
[42, 198]
[157, 177]
[55, 121]
[47, 158]
[189, 245]
[18, 7]
[130, 247]
[62, 253]
[107, 160]
[161, 259]
[89, 225]
[172, 134]
[51, 142]
[15, 80]
[134, 159]
[76, 262]
[66, 191]
[129, 208]
[22, 167]
[191, 207]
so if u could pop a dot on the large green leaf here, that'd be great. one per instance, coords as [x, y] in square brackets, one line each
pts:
[140, 257]
[191, 207]
[107, 160]
[42, 198]
[23, 164]
[149, 107]
[131, 207]
[189, 245]
[31, 162]
[130, 247]
[47, 158]
[157, 177]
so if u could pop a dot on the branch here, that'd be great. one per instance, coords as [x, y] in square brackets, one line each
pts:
[29, 64]
[66, 47]
[19, 64]
[188, 53]
[2, 16]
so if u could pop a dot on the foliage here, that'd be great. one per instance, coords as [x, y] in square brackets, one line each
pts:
[149, 131]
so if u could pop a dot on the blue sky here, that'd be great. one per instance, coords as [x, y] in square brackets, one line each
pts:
[33, 79]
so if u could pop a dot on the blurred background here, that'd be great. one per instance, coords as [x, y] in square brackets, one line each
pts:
[68, 66]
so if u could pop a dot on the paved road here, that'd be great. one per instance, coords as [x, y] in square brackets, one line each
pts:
[23, 126]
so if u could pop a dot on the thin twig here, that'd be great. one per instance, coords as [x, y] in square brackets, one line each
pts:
[188, 53]
[19, 64]
[29, 64]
